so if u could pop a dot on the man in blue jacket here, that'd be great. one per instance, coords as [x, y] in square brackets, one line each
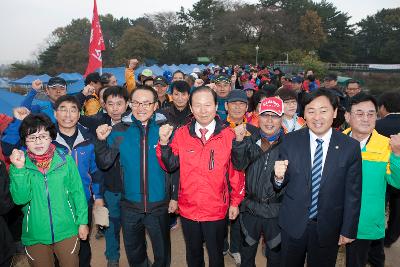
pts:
[144, 200]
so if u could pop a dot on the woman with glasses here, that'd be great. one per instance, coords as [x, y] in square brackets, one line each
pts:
[46, 182]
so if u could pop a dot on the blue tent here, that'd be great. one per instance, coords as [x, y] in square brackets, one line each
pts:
[71, 77]
[28, 79]
[9, 100]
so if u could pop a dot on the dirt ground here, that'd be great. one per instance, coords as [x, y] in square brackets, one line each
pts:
[178, 254]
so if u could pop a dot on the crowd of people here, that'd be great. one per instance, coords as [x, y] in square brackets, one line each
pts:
[238, 156]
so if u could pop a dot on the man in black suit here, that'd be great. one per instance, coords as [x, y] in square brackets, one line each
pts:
[389, 124]
[321, 170]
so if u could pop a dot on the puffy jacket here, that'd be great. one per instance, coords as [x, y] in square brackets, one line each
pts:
[205, 170]
[130, 79]
[84, 156]
[54, 203]
[82, 152]
[92, 105]
[261, 198]
[379, 168]
[145, 185]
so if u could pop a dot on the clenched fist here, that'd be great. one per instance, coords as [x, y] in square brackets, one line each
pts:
[395, 144]
[20, 113]
[280, 169]
[240, 132]
[103, 131]
[165, 133]
[37, 85]
[83, 231]
[18, 158]
[88, 90]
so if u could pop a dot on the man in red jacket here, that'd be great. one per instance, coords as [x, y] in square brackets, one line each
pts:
[202, 151]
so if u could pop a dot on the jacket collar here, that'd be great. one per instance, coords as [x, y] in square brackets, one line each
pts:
[219, 126]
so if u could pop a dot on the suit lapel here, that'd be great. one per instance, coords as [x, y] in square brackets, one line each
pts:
[306, 154]
[331, 160]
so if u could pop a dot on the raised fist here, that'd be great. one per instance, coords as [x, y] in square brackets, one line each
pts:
[20, 113]
[240, 132]
[280, 169]
[395, 144]
[103, 131]
[17, 158]
[37, 85]
[165, 133]
[88, 90]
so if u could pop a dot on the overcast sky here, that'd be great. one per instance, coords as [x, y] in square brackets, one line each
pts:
[26, 24]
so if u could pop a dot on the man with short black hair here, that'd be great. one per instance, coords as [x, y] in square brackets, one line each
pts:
[145, 195]
[178, 113]
[380, 166]
[352, 88]
[315, 164]
[92, 103]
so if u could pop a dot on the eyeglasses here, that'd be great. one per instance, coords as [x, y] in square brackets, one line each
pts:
[146, 105]
[33, 138]
[66, 110]
[57, 86]
[361, 114]
[271, 116]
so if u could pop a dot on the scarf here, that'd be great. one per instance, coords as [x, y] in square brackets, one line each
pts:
[42, 161]
[271, 138]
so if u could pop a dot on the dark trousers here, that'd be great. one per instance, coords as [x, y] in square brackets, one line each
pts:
[85, 252]
[234, 236]
[212, 233]
[393, 229]
[134, 225]
[361, 251]
[254, 226]
[111, 234]
[294, 251]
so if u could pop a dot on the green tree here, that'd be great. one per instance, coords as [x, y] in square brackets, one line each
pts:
[138, 42]
[378, 38]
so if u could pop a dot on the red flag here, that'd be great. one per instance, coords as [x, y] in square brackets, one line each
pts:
[96, 44]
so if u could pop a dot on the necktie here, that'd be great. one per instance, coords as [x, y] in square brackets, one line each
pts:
[316, 174]
[203, 132]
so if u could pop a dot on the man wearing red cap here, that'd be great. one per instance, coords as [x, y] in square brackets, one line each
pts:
[256, 155]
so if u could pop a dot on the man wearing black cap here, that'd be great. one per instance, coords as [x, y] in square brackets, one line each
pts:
[330, 81]
[236, 105]
[161, 86]
[222, 88]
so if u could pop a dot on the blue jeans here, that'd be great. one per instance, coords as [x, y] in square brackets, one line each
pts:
[111, 233]
[134, 225]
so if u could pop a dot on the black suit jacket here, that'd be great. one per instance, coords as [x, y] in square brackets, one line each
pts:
[388, 125]
[340, 192]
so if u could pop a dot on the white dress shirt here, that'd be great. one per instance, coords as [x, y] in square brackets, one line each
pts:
[325, 145]
[210, 128]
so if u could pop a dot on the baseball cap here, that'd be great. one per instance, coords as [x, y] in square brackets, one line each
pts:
[297, 79]
[237, 95]
[147, 72]
[57, 81]
[249, 86]
[222, 79]
[330, 77]
[272, 104]
[160, 80]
